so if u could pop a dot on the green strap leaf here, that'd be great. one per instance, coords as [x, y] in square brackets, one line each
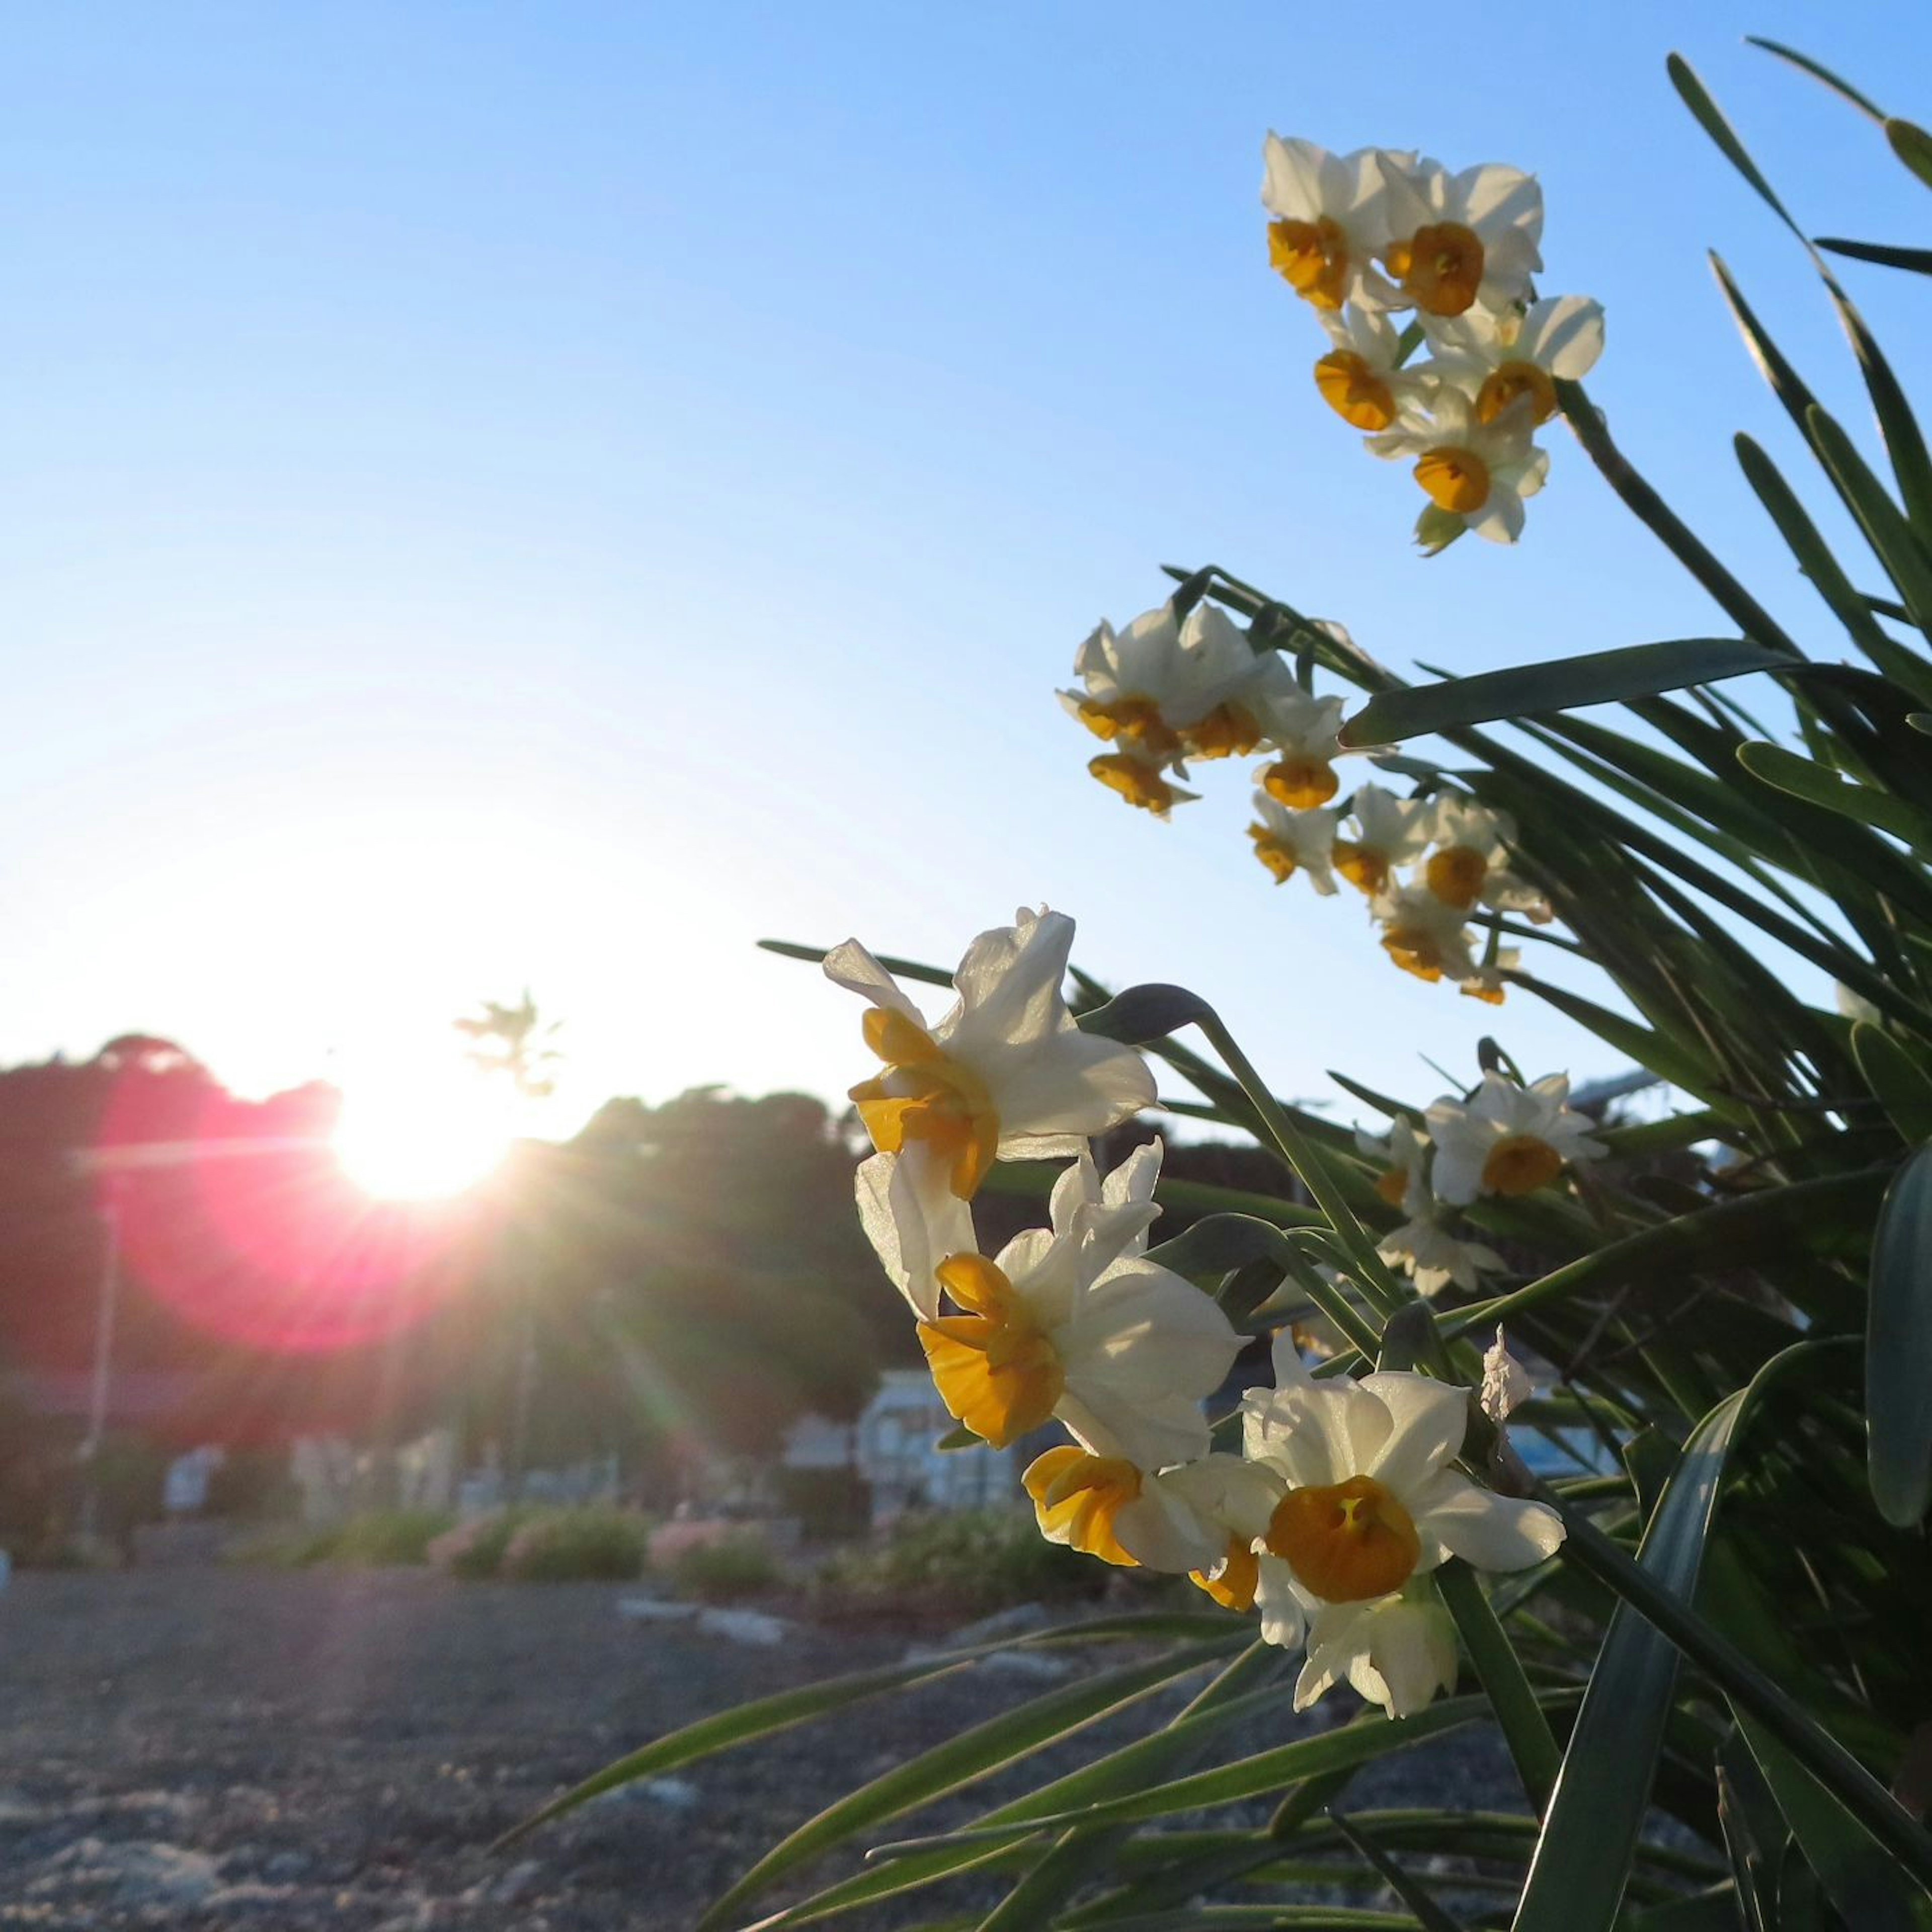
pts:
[1429, 1915]
[961, 1760]
[1898, 1346]
[1754, 1833]
[1582, 1859]
[1806, 64]
[1773, 765]
[1892, 538]
[1529, 691]
[1918, 260]
[1081, 1853]
[1142, 1013]
[1532, 1746]
[1815, 559]
[1904, 441]
[1898, 1083]
[1858, 1875]
[1913, 146]
[1709, 117]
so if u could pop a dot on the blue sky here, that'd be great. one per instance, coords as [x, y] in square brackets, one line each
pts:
[495, 495]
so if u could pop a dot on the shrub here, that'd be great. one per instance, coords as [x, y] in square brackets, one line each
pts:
[376, 1539]
[474, 1550]
[595, 1541]
[968, 1561]
[742, 1565]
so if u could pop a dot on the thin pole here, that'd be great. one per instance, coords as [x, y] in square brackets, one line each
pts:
[106, 1311]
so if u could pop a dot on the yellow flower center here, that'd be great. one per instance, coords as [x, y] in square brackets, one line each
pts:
[1440, 267]
[1362, 866]
[1138, 783]
[1301, 784]
[1456, 873]
[1273, 854]
[1346, 1542]
[1353, 391]
[1232, 1583]
[1490, 991]
[1134, 721]
[996, 1369]
[1456, 480]
[1520, 1164]
[1076, 1497]
[1229, 731]
[1415, 950]
[929, 1098]
[1392, 1184]
[1312, 258]
[1502, 386]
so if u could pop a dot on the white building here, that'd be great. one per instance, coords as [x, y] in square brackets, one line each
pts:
[893, 1446]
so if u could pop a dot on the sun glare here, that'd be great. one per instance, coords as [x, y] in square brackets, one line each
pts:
[421, 1133]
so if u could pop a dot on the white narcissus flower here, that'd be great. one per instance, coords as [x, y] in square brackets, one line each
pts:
[1397, 1652]
[1389, 832]
[1362, 378]
[1470, 867]
[1507, 1140]
[1287, 842]
[1075, 1323]
[1200, 1517]
[1476, 475]
[1402, 1155]
[1007, 1075]
[1305, 732]
[1164, 691]
[1424, 936]
[1431, 1254]
[1370, 1503]
[1458, 240]
[1330, 221]
[1495, 357]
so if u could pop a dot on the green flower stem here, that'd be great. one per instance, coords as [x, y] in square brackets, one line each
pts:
[1532, 1744]
[1295, 1147]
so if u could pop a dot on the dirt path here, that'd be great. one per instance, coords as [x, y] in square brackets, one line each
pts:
[209, 1748]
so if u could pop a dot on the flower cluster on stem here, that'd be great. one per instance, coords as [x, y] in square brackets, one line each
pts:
[1366, 238]
[1344, 1497]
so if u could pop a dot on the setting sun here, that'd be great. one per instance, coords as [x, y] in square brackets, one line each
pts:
[420, 1133]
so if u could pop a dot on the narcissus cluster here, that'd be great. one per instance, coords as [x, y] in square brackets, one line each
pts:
[1166, 689]
[1503, 1141]
[1368, 237]
[1345, 1496]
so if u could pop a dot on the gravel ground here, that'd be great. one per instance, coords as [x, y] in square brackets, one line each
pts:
[210, 1748]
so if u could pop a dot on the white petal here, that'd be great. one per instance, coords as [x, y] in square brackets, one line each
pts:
[851, 966]
[1427, 1422]
[913, 1220]
[1491, 1532]
[1284, 1621]
[1565, 336]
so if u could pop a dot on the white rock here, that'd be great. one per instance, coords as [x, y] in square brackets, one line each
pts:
[744, 1626]
[655, 1610]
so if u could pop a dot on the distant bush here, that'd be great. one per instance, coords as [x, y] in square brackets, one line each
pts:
[743, 1565]
[376, 1539]
[595, 1541]
[968, 1560]
[474, 1549]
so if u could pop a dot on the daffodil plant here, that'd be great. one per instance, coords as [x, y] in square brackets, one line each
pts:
[1608, 1436]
